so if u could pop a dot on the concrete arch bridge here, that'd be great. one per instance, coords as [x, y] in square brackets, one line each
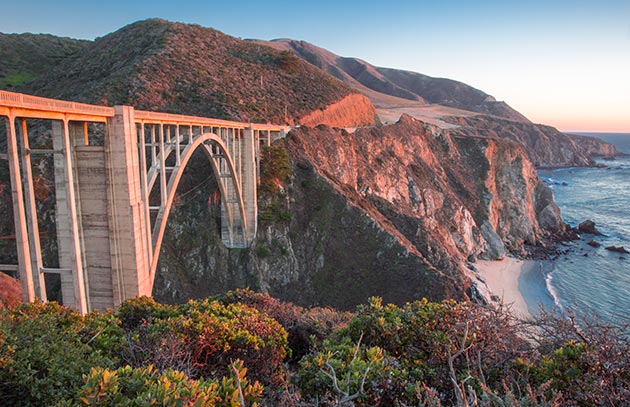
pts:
[114, 191]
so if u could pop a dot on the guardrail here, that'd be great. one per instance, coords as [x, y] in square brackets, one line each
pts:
[20, 100]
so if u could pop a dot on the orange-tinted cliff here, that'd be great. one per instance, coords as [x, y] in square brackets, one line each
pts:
[352, 111]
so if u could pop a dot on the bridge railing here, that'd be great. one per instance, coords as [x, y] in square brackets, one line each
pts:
[36, 103]
[20, 100]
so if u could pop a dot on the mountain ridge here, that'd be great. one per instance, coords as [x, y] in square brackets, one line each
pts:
[175, 67]
[395, 92]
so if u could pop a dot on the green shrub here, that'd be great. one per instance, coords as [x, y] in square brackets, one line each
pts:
[274, 212]
[140, 310]
[129, 387]
[201, 338]
[351, 372]
[436, 342]
[46, 348]
[275, 167]
[305, 326]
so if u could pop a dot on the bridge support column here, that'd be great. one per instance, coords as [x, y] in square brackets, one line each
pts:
[249, 183]
[127, 224]
[31, 214]
[73, 285]
[19, 215]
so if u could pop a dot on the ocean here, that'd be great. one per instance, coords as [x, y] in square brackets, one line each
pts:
[594, 281]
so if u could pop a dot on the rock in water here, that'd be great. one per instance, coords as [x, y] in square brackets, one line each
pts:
[594, 244]
[618, 249]
[588, 226]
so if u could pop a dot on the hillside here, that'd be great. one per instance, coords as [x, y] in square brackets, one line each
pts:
[378, 83]
[26, 57]
[173, 67]
[449, 104]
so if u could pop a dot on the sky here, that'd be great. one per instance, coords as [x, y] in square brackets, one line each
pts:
[563, 63]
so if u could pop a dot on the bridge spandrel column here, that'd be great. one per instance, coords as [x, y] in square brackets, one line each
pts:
[19, 215]
[70, 247]
[249, 183]
[126, 209]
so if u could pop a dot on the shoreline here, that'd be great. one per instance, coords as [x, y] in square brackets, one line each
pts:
[520, 284]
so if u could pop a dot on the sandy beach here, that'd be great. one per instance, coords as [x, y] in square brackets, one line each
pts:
[519, 283]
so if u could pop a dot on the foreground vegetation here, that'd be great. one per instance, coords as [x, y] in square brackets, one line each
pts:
[246, 348]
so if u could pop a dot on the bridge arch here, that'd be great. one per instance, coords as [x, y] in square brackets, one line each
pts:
[237, 226]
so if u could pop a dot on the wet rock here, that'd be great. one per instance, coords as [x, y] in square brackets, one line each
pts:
[588, 226]
[594, 244]
[617, 249]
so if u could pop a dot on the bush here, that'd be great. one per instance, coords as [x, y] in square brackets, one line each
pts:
[442, 343]
[275, 167]
[202, 338]
[10, 291]
[584, 359]
[305, 326]
[345, 372]
[148, 387]
[46, 348]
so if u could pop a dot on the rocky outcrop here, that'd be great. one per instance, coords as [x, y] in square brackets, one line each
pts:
[595, 146]
[352, 111]
[617, 249]
[327, 253]
[545, 145]
[588, 226]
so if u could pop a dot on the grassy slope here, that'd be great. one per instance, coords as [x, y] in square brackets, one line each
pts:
[158, 65]
[26, 57]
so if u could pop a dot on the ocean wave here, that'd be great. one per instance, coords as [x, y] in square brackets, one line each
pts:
[552, 291]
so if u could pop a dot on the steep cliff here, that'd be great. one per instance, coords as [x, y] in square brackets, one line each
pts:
[353, 110]
[594, 146]
[545, 145]
[397, 211]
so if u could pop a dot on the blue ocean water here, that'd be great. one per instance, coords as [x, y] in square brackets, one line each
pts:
[595, 281]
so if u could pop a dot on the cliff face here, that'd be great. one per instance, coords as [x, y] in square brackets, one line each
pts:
[594, 146]
[545, 145]
[433, 190]
[396, 211]
[353, 110]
